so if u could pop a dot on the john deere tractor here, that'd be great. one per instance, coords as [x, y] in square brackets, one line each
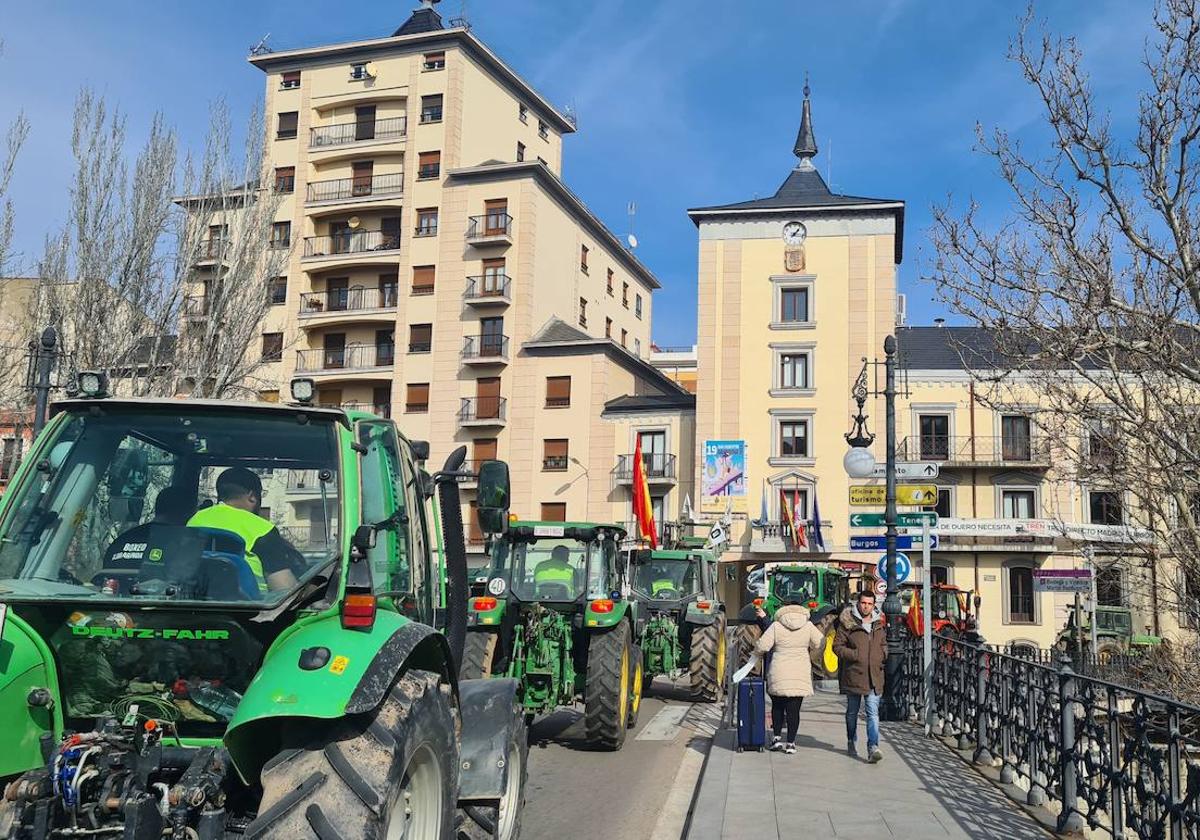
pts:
[1114, 633]
[822, 589]
[684, 619]
[551, 612]
[216, 621]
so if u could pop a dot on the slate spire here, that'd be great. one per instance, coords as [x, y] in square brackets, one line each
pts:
[806, 143]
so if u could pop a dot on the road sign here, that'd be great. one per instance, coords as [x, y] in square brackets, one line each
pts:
[903, 568]
[881, 588]
[870, 495]
[878, 542]
[903, 520]
[1062, 580]
[917, 470]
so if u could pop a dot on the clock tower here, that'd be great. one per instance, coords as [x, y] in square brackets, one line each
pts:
[794, 290]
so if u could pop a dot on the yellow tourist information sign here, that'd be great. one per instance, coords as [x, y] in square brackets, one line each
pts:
[865, 495]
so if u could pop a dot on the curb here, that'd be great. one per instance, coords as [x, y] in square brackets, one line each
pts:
[706, 816]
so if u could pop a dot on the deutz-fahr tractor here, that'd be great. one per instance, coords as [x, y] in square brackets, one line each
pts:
[552, 613]
[216, 622]
[822, 589]
[684, 619]
[1114, 633]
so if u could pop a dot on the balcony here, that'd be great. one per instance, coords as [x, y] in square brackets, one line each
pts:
[490, 229]
[485, 350]
[967, 451]
[488, 290]
[355, 358]
[358, 242]
[365, 131]
[470, 465]
[555, 463]
[345, 304]
[659, 468]
[355, 189]
[483, 411]
[195, 307]
[212, 249]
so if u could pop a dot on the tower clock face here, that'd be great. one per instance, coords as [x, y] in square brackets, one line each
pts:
[794, 233]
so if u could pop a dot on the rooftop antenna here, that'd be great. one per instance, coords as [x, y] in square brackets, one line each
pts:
[461, 22]
[631, 209]
[261, 47]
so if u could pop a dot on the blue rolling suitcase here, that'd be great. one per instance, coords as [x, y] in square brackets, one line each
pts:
[751, 714]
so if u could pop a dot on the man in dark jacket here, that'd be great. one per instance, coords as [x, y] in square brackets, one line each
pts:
[861, 647]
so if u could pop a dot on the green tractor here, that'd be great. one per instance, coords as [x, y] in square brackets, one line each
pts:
[176, 659]
[551, 612]
[684, 620]
[1114, 633]
[824, 590]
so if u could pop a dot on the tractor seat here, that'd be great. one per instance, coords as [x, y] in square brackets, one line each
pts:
[554, 592]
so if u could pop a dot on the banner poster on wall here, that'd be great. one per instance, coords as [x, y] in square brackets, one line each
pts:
[724, 485]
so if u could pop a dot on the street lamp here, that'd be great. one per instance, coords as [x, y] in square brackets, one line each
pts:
[859, 461]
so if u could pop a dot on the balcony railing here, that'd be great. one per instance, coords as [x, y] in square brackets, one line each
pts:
[342, 189]
[355, 299]
[307, 481]
[471, 465]
[659, 466]
[493, 347]
[974, 451]
[475, 409]
[554, 463]
[354, 357]
[212, 248]
[489, 226]
[195, 306]
[355, 242]
[488, 288]
[380, 409]
[360, 131]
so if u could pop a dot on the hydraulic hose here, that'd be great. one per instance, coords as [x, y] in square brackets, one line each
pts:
[455, 546]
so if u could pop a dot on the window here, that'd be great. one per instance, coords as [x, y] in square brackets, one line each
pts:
[388, 283]
[429, 165]
[427, 221]
[1020, 595]
[609, 283]
[583, 252]
[422, 283]
[1017, 504]
[494, 278]
[608, 327]
[416, 399]
[385, 346]
[520, 152]
[483, 449]
[1015, 438]
[583, 312]
[939, 576]
[558, 391]
[945, 503]
[272, 347]
[420, 338]
[434, 61]
[364, 122]
[793, 370]
[935, 436]
[389, 228]
[277, 291]
[624, 334]
[637, 305]
[495, 217]
[793, 439]
[554, 455]
[281, 235]
[358, 71]
[431, 108]
[625, 295]
[285, 179]
[1102, 443]
[543, 130]
[554, 511]
[289, 121]
[793, 305]
[637, 347]
[523, 113]
[289, 80]
[1110, 587]
[1105, 508]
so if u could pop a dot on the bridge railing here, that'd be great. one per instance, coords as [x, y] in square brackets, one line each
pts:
[1109, 758]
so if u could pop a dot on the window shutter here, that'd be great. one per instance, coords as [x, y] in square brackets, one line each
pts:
[556, 448]
[558, 390]
[417, 397]
[289, 121]
[423, 276]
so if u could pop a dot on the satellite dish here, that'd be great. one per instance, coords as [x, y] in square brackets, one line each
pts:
[354, 222]
[369, 69]
[632, 240]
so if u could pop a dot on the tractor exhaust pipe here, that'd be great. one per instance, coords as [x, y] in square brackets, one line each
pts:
[456, 553]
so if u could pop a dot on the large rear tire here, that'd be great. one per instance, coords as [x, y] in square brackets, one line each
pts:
[606, 692]
[391, 772]
[706, 661]
[637, 686]
[501, 820]
[747, 636]
[479, 655]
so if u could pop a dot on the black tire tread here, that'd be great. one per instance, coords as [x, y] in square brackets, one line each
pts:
[479, 655]
[321, 826]
[747, 636]
[602, 721]
[702, 661]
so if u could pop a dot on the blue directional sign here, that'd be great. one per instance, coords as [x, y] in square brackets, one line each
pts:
[904, 542]
[903, 567]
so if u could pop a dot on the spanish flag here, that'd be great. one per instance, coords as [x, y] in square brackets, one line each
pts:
[643, 510]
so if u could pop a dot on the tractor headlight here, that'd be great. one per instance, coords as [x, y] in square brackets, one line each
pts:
[304, 390]
[92, 384]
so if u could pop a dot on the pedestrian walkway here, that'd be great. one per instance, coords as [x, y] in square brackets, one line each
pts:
[919, 790]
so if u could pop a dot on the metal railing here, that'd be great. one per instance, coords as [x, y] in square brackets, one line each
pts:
[658, 466]
[213, 247]
[341, 134]
[354, 242]
[195, 306]
[339, 189]
[1017, 449]
[356, 299]
[485, 347]
[353, 357]
[471, 465]
[489, 225]
[487, 287]
[554, 463]
[1113, 759]
[483, 408]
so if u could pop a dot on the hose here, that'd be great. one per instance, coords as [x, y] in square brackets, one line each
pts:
[456, 554]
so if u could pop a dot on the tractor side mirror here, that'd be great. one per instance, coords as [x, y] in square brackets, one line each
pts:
[493, 495]
[363, 539]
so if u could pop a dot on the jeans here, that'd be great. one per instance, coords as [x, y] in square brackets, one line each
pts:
[853, 702]
[785, 709]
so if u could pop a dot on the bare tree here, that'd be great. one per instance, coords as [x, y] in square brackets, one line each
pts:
[1090, 291]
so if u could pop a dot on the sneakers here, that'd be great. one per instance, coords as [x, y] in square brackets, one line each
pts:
[777, 744]
[851, 749]
[789, 748]
[875, 756]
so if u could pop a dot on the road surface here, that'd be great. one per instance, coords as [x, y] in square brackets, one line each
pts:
[643, 790]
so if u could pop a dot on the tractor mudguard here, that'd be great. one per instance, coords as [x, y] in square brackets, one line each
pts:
[746, 616]
[596, 620]
[323, 671]
[695, 615]
[26, 663]
[490, 713]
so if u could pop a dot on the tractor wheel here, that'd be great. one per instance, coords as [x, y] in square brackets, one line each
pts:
[606, 693]
[391, 772]
[637, 686]
[747, 636]
[826, 666]
[501, 821]
[706, 661]
[479, 655]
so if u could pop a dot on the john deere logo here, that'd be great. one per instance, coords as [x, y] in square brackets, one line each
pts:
[150, 633]
[156, 555]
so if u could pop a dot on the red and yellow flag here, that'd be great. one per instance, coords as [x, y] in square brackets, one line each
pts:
[790, 514]
[643, 510]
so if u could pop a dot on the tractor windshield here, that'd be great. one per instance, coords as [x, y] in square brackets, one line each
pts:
[667, 579]
[179, 503]
[945, 604]
[794, 586]
[550, 570]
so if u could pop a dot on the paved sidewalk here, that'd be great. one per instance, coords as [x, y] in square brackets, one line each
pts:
[919, 790]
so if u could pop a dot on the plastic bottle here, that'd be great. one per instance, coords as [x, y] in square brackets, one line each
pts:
[214, 698]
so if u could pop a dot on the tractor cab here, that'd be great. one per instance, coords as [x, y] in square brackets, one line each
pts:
[818, 587]
[951, 606]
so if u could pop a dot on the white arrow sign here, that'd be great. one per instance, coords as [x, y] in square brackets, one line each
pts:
[914, 470]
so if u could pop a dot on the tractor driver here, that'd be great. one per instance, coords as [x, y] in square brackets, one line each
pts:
[661, 580]
[239, 495]
[556, 571]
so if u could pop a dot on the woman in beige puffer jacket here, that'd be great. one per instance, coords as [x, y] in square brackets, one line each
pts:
[793, 641]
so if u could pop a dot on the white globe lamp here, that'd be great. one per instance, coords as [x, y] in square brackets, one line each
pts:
[859, 462]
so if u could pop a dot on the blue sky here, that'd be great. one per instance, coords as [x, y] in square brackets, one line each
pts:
[680, 103]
